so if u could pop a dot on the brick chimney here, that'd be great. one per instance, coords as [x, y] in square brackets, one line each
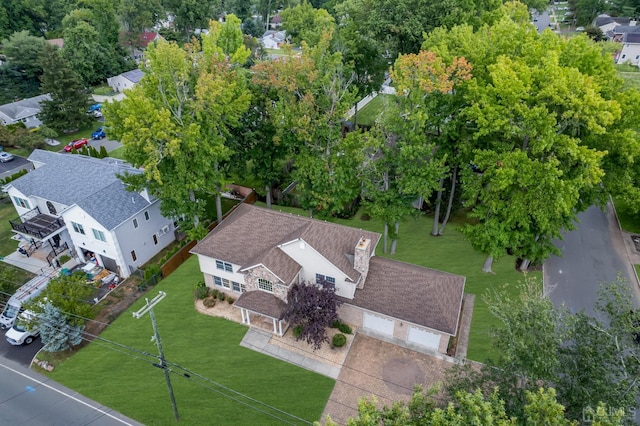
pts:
[361, 259]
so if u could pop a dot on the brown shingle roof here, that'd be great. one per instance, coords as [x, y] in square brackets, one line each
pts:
[262, 303]
[279, 263]
[412, 293]
[250, 234]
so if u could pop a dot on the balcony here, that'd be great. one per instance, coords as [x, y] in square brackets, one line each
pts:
[36, 224]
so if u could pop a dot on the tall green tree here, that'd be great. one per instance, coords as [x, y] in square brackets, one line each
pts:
[590, 361]
[24, 53]
[306, 23]
[67, 109]
[311, 95]
[22, 15]
[191, 14]
[175, 124]
[554, 100]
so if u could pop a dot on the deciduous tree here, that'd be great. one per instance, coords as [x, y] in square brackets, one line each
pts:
[313, 308]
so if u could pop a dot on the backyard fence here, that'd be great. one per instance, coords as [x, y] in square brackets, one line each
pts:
[249, 197]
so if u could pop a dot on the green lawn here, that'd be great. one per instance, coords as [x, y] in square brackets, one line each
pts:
[117, 153]
[450, 253]
[629, 219]
[7, 212]
[206, 345]
[369, 113]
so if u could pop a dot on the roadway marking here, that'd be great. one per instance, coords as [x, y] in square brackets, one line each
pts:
[65, 394]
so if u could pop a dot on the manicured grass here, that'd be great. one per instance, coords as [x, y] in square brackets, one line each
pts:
[629, 219]
[450, 253]
[127, 382]
[369, 113]
[7, 212]
[117, 153]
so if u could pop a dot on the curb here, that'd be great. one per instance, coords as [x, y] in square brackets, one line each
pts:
[615, 214]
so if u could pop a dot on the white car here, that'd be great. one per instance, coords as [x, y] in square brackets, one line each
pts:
[5, 157]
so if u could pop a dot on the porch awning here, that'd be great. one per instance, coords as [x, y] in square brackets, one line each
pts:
[262, 303]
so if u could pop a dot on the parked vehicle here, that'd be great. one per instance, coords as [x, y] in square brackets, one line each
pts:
[77, 144]
[28, 291]
[25, 330]
[98, 134]
[95, 107]
[5, 157]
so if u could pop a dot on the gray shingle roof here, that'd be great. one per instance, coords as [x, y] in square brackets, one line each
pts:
[133, 75]
[249, 235]
[622, 29]
[24, 108]
[631, 38]
[90, 183]
[412, 293]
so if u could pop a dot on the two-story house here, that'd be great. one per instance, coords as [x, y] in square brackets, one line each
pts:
[256, 254]
[80, 202]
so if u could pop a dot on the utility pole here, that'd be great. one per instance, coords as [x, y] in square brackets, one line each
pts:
[156, 336]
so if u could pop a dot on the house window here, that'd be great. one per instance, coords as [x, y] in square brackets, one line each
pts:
[155, 239]
[224, 266]
[52, 208]
[237, 287]
[21, 202]
[146, 215]
[637, 56]
[135, 223]
[98, 235]
[78, 228]
[222, 282]
[265, 285]
[133, 255]
[323, 279]
[624, 56]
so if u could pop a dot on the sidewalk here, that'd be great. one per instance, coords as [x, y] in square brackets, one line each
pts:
[258, 341]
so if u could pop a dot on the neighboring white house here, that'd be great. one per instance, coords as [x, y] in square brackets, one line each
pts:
[125, 81]
[607, 23]
[80, 201]
[630, 51]
[256, 254]
[273, 39]
[25, 111]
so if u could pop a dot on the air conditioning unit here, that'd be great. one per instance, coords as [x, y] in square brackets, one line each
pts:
[163, 230]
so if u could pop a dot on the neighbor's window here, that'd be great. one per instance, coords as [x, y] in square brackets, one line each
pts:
[78, 228]
[21, 202]
[155, 239]
[51, 207]
[322, 279]
[224, 266]
[135, 223]
[99, 235]
[146, 215]
[133, 255]
[265, 285]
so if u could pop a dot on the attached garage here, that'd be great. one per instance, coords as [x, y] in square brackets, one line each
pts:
[423, 337]
[378, 324]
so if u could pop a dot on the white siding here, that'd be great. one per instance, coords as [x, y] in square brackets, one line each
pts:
[120, 83]
[314, 263]
[88, 241]
[140, 239]
[12, 192]
[630, 53]
[208, 266]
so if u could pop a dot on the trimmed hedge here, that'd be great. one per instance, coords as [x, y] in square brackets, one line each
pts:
[339, 340]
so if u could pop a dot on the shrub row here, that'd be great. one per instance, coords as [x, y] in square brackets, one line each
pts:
[345, 328]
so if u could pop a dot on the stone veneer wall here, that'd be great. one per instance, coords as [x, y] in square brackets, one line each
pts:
[251, 279]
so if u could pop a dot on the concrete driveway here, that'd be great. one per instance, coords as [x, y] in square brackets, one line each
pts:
[384, 370]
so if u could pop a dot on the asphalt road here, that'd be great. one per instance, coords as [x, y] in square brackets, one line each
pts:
[592, 254]
[20, 354]
[28, 398]
[543, 21]
[14, 166]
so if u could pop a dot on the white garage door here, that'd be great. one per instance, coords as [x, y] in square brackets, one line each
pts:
[423, 338]
[378, 324]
